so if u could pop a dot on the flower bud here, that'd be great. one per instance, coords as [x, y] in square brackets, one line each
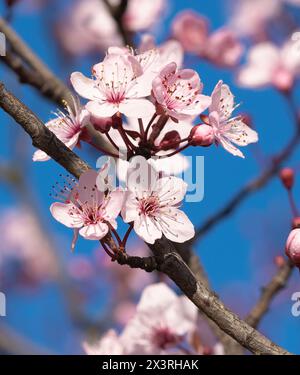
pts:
[202, 135]
[292, 248]
[170, 140]
[287, 177]
[296, 222]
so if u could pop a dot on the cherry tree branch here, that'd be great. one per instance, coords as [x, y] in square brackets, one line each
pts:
[167, 258]
[276, 284]
[30, 69]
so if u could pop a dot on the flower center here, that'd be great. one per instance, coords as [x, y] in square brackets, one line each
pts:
[149, 206]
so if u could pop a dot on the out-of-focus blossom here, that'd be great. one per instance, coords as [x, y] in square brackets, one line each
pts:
[87, 209]
[191, 30]
[223, 48]
[69, 127]
[163, 324]
[120, 84]
[220, 47]
[228, 131]
[152, 205]
[292, 247]
[250, 17]
[23, 240]
[269, 65]
[108, 345]
[141, 15]
[87, 27]
[178, 92]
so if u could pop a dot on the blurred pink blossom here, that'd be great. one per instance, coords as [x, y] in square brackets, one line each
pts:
[268, 64]
[191, 30]
[141, 15]
[87, 27]
[23, 239]
[223, 48]
[163, 324]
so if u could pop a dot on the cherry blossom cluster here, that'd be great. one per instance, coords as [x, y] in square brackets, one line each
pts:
[145, 106]
[162, 324]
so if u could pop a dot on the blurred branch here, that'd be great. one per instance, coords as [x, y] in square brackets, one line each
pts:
[30, 69]
[168, 260]
[249, 188]
[13, 343]
[117, 12]
[277, 283]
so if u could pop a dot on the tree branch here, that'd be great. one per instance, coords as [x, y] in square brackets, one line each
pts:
[30, 69]
[168, 260]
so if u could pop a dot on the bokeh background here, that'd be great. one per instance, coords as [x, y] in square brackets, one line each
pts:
[56, 298]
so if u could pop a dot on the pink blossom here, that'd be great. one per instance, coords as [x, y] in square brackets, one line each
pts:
[270, 65]
[87, 27]
[142, 14]
[162, 323]
[223, 48]
[191, 30]
[292, 247]
[108, 345]
[120, 84]
[227, 130]
[250, 17]
[88, 210]
[152, 204]
[67, 127]
[178, 93]
[22, 236]
[169, 51]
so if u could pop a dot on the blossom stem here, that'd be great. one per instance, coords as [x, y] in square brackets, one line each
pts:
[112, 141]
[157, 128]
[130, 146]
[142, 130]
[115, 233]
[103, 150]
[124, 241]
[149, 126]
[174, 152]
[108, 252]
[293, 204]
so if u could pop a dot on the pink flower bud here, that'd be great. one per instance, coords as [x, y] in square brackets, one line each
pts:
[296, 222]
[202, 135]
[287, 177]
[292, 248]
[170, 140]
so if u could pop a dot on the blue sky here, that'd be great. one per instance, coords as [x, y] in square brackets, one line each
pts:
[237, 254]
